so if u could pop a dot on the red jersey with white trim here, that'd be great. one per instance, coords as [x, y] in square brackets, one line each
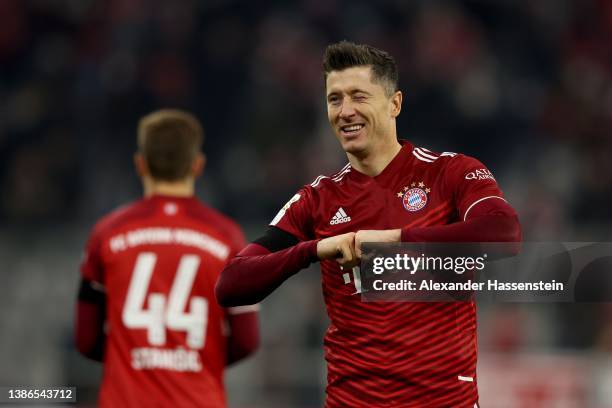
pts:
[158, 260]
[388, 354]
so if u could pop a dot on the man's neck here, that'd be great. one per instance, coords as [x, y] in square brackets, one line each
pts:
[375, 161]
[174, 189]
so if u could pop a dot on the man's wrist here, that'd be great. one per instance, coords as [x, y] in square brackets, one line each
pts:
[313, 250]
[406, 235]
[395, 235]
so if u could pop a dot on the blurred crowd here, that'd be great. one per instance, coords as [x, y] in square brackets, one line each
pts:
[525, 86]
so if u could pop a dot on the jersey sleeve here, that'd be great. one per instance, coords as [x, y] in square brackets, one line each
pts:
[91, 267]
[469, 182]
[295, 217]
[236, 310]
[237, 241]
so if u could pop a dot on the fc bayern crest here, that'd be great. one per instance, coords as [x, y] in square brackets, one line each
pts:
[414, 198]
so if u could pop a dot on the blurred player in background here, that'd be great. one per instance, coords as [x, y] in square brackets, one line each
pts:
[146, 306]
[379, 354]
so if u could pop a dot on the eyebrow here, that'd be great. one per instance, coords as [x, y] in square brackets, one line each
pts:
[350, 92]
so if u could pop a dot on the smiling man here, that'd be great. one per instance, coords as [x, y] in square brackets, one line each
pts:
[379, 354]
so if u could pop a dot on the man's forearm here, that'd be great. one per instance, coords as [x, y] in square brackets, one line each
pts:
[255, 272]
[89, 336]
[489, 221]
[485, 228]
[244, 337]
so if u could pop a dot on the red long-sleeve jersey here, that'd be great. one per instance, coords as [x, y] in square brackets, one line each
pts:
[155, 263]
[384, 354]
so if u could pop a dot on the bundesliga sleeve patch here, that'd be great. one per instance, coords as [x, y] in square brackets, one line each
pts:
[283, 210]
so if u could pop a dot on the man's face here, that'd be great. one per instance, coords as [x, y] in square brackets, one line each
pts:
[359, 111]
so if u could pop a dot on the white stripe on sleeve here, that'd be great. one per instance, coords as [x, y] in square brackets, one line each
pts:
[477, 201]
[243, 309]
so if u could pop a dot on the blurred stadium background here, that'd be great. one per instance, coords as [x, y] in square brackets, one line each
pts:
[526, 86]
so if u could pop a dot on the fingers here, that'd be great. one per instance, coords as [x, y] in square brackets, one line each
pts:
[346, 255]
[341, 248]
[349, 265]
[336, 247]
[346, 249]
[358, 245]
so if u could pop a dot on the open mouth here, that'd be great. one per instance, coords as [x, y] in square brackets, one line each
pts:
[352, 129]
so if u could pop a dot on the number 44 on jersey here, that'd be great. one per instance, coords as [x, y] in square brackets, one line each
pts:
[165, 313]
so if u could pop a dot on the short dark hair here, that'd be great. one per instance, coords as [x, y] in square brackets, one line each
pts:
[346, 54]
[169, 140]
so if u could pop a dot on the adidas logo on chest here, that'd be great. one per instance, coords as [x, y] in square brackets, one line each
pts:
[340, 217]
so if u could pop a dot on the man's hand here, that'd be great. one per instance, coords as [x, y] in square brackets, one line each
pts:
[362, 236]
[339, 247]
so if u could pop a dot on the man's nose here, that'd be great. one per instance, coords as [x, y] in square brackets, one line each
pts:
[347, 109]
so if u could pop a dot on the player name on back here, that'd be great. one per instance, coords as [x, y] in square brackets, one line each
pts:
[169, 236]
[179, 359]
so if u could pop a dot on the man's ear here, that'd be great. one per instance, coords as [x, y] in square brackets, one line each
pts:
[197, 167]
[141, 165]
[396, 104]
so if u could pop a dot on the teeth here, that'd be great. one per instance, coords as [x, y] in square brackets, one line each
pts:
[352, 128]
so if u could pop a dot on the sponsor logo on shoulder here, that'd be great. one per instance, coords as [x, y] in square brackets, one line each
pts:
[480, 174]
[340, 217]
